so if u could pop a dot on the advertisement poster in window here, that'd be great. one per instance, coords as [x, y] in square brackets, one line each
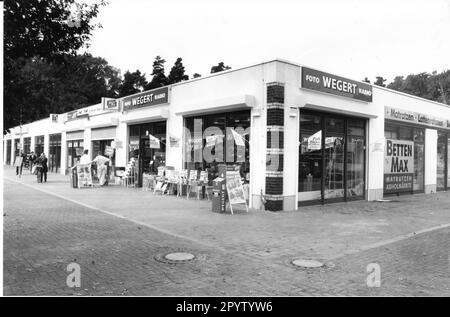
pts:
[398, 166]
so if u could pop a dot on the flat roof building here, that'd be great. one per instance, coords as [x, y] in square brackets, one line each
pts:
[297, 135]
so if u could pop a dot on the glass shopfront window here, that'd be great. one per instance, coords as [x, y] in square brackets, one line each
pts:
[8, 152]
[396, 131]
[39, 145]
[210, 142]
[332, 158]
[27, 145]
[443, 161]
[54, 155]
[16, 148]
[147, 159]
[74, 151]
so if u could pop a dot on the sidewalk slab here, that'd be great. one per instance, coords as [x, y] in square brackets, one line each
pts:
[318, 232]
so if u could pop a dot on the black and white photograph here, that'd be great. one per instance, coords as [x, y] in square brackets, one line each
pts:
[225, 154]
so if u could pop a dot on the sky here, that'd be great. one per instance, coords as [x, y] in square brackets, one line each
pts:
[351, 38]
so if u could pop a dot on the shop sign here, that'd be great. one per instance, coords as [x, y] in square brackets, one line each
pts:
[398, 166]
[235, 190]
[54, 117]
[238, 138]
[79, 151]
[116, 144]
[336, 85]
[109, 151]
[415, 117]
[315, 141]
[147, 98]
[87, 112]
[110, 104]
[154, 142]
[174, 142]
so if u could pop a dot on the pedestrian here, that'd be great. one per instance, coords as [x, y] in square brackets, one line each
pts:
[32, 158]
[102, 168]
[42, 161]
[19, 165]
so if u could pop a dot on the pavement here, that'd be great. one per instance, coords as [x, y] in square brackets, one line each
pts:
[119, 236]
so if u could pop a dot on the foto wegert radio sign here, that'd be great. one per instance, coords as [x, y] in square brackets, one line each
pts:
[146, 98]
[336, 85]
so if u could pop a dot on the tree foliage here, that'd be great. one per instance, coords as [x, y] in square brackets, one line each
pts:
[39, 37]
[132, 83]
[159, 78]
[177, 72]
[380, 81]
[434, 86]
[219, 68]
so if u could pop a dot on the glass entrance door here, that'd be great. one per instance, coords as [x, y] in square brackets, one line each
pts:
[147, 159]
[331, 159]
[334, 159]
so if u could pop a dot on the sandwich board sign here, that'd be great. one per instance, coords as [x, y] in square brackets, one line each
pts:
[235, 190]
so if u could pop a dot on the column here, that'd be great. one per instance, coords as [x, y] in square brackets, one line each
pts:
[430, 160]
[275, 146]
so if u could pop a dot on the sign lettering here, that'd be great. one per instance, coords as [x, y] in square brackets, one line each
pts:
[332, 84]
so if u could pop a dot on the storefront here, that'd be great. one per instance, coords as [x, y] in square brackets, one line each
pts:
[416, 167]
[39, 144]
[102, 139]
[54, 155]
[332, 158]
[75, 147]
[443, 161]
[210, 141]
[297, 135]
[147, 146]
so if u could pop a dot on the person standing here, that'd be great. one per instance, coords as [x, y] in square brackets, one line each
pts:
[20, 166]
[102, 168]
[42, 161]
[32, 158]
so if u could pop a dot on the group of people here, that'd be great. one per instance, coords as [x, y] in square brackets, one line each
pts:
[100, 161]
[38, 163]
[41, 168]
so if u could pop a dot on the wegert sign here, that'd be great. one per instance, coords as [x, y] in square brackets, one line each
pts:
[398, 166]
[146, 98]
[332, 84]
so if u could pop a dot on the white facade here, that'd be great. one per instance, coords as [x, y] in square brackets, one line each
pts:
[246, 88]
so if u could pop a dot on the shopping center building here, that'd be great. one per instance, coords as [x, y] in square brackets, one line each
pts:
[307, 136]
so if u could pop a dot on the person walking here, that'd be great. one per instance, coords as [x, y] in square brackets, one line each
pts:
[42, 168]
[102, 168]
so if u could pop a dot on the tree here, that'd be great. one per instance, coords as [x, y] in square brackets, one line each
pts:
[47, 28]
[397, 84]
[177, 72]
[159, 78]
[380, 81]
[196, 75]
[366, 80]
[76, 82]
[434, 86]
[41, 33]
[219, 67]
[132, 83]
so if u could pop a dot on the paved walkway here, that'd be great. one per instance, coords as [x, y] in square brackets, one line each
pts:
[44, 233]
[319, 232]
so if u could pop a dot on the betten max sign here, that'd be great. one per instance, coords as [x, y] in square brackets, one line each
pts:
[336, 85]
